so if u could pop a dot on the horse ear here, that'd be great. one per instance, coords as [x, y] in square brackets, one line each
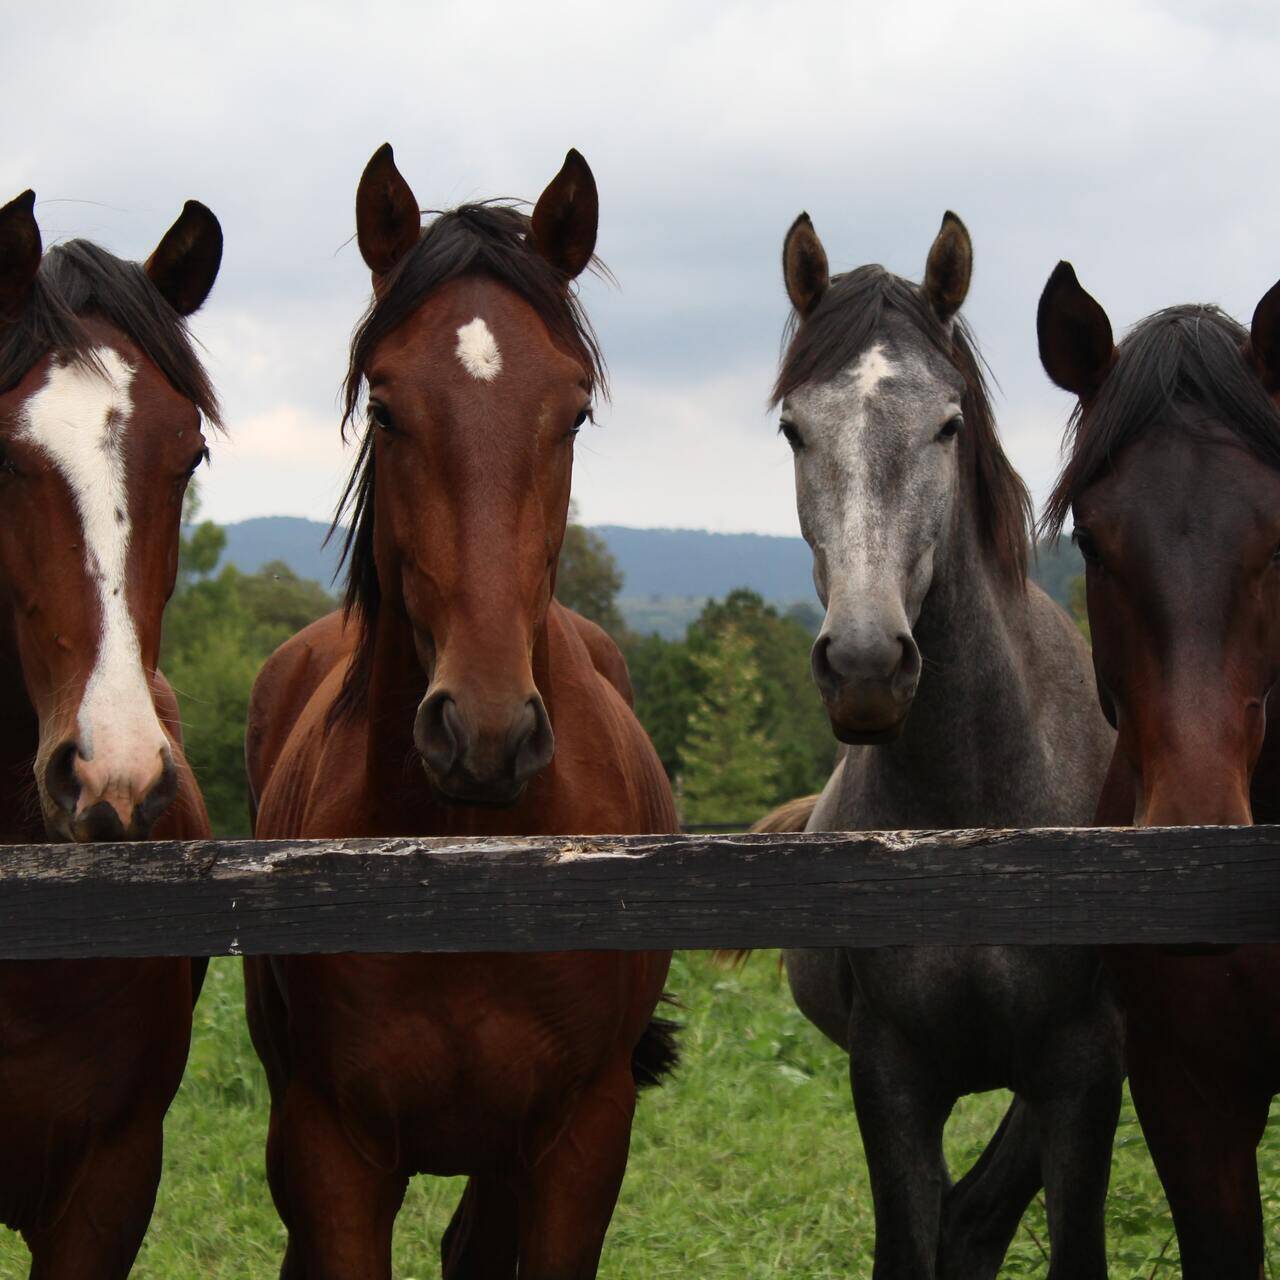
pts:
[567, 216]
[948, 268]
[1264, 339]
[20, 250]
[1076, 346]
[804, 266]
[388, 220]
[185, 263]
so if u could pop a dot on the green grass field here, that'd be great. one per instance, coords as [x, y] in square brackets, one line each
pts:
[747, 1165]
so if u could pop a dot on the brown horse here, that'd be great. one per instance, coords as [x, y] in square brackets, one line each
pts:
[428, 708]
[101, 397]
[1174, 483]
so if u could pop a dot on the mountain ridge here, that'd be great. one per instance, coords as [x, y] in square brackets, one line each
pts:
[658, 565]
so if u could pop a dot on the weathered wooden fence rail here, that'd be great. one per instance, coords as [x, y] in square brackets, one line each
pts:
[1176, 885]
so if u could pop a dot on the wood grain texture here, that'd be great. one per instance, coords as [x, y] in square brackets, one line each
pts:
[1170, 886]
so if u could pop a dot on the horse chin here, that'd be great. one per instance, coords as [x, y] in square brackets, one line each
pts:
[98, 824]
[58, 830]
[857, 724]
[468, 794]
[863, 736]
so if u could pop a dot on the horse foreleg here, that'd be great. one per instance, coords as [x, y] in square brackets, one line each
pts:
[102, 1227]
[901, 1113]
[338, 1205]
[1203, 1134]
[982, 1212]
[570, 1191]
[1074, 1087]
[1077, 1134]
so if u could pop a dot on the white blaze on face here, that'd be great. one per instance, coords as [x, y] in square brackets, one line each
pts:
[478, 350]
[79, 418]
[874, 484]
[839, 504]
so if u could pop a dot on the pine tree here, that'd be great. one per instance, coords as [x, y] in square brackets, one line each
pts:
[729, 768]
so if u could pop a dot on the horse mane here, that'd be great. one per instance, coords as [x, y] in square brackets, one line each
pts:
[489, 239]
[845, 323]
[1184, 365]
[79, 280]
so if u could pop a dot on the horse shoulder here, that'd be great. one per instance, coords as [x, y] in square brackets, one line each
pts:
[602, 714]
[1066, 696]
[287, 684]
[1060, 652]
[605, 655]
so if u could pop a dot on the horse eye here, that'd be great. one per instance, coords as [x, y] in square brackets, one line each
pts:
[7, 465]
[202, 456]
[791, 434]
[1088, 547]
[583, 415]
[380, 415]
[951, 427]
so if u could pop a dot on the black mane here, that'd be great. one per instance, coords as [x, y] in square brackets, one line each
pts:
[1182, 367]
[845, 323]
[79, 280]
[489, 239]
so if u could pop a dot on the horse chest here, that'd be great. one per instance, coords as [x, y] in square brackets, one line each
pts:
[980, 1013]
[896, 795]
[440, 1062]
[86, 1048]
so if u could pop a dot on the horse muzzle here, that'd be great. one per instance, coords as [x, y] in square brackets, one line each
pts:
[867, 683]
[87, 799]
[472, 762]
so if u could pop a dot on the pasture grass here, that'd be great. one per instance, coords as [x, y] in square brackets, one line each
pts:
[746, 1166]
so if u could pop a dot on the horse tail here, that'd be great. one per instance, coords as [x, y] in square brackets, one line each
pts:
[657, 1054]
[792, 816]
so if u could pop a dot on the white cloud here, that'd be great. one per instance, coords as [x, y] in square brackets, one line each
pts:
[280, 462]
[1126, 135]
[698, 454]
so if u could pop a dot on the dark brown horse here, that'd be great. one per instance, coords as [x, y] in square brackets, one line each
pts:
[456, 697]
[101, 397]
[1174, 484]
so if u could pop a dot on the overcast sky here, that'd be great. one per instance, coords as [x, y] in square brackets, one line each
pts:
[1136, 139]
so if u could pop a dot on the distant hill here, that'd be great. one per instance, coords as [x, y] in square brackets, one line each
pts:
[298, 542]
[667, 573]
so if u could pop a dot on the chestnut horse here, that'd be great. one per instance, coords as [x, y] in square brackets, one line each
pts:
[1174, 483]
[455, 697]
[101, 397]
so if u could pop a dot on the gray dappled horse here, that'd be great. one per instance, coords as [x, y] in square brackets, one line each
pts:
[967, 699]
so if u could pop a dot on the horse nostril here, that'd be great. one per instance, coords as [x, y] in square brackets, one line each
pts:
[60, 781]
[155, 804]
[821, 663]
[533, 740]
[909, 668]
[440, 734]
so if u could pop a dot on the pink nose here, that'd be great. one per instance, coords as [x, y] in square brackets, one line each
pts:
[101, 799]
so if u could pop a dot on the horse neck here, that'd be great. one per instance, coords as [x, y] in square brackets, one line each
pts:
[971, 727]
